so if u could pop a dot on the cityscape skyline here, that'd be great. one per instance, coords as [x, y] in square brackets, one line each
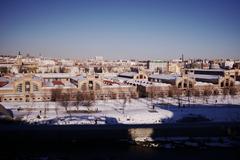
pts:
[121, 29]
[119, 79]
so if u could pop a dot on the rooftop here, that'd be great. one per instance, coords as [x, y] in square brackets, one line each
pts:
[78, 78]
[203, 76]
[55, 75]
[58, 83]
[165, 76]
[128, 74]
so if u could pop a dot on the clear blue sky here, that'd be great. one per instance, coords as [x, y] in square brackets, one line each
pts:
[142, 29]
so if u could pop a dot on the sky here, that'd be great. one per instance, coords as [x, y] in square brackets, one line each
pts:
[120, 29]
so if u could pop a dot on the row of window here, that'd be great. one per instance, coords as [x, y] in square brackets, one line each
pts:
[21, 99]
[141, 77]
[90, 86]
[12, 99]
[227, 84]
[20, 87]
[185, 85]
[39, 98]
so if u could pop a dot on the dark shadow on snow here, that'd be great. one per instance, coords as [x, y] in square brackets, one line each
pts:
[89, 118]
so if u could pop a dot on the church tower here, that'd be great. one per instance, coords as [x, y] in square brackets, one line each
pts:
[19, 59]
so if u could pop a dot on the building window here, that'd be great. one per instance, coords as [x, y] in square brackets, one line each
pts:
[179, 85]
[97, 86]
[190, 85]
[90, 85]
[35, 88]
[19, 87]
[221, 84]
[84, 87]
[27, 86]
[185, 85]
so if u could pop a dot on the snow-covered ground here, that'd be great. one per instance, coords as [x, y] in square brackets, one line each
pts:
[135, 111]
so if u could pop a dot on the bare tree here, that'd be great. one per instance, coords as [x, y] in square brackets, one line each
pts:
[113, 95]
[207, 91]
[225, 92]
[175, 93]
[89, 99]
[196, 93]
[189, 94]
[178, 94]
[55, 97]
[124, 103]
[29, 109]
[133, 95]
[215, 92]
[79, 100]
[151, 94]
[130, 99]
[56, 94]
[46, 105]
[161, 94]
[65, 101]
[170, 92]
[233, 92]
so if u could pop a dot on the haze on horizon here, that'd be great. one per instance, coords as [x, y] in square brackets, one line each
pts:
[142, 29]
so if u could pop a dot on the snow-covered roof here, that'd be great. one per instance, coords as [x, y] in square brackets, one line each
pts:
[164, 76]
[138, 82]
[204, 76]
[208, 70]
[110, 75]
[161, 84]
[78, 78]
[147, 83]
[3, 79]
[127, 74]
[117, 86]
[202, 84]
[122, 79]
[55, 75]
[8, 86]
[237, 82]
[56, 84]
[37, 78]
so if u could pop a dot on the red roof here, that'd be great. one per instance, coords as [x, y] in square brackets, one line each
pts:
[3, 83]
[110, 82]
[57, 83]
